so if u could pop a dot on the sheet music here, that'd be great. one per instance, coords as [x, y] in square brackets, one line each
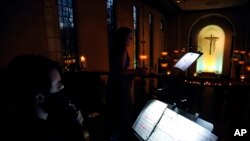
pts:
[148, 118]
[174, 127]
[186, 60]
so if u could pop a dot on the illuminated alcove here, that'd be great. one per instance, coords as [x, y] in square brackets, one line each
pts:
[211, 41]
[215, 32]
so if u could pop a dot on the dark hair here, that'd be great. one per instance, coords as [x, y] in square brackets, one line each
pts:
[121, 36]
[28, 75]
[31, 73]
[118, 47]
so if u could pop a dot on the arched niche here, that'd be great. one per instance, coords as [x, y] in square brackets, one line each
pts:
[213, 35]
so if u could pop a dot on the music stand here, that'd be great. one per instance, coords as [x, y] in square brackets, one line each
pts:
[157, 122]
[187, 60]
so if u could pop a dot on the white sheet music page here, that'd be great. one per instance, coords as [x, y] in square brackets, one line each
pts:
[187, 60]
[148, 118]
[175, 127]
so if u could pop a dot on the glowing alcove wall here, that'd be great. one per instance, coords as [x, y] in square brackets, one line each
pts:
[211, 40]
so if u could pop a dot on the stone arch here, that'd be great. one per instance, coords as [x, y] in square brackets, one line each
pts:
[219, 21]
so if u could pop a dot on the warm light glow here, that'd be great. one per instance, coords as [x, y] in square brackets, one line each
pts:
[241, 62]
[242, 52]
[211, 41]
[164, 53]
[143, 57]
[175, 60]
[168, 72]
[82, 59]
[235, 59]
[242, 77]
[248, 68]
[69, 61]
[176, 51]
[195, 74]
[83, 62]
[164, 65]
[183, 50]
[236, 51]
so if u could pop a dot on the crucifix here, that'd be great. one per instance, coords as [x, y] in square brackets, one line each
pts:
[212, 42]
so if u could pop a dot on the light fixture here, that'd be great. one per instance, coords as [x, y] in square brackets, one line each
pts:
[242, 52]
[241, 62]
[163, 62]
[168, 72]
[176, 55]
[242, 77]
[195, 74]
[164, 65]
[164, 53]
[176, 51]
[248, 68]
[68, 63]
[143, 57]
[83, 62]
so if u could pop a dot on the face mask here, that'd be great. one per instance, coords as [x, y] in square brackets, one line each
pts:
[55, 88]
[58, 103]
[50, 101]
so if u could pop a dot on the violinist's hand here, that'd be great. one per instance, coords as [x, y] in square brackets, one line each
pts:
[79, 117]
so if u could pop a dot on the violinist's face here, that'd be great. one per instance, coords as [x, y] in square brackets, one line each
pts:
[56, 85]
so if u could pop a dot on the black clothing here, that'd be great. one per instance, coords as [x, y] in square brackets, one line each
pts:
[62, 119]
[119, 105]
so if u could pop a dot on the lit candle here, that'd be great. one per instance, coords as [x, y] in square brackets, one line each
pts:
[164, 65]
[248, 67]
[143, 60]
[195, 74]
[82, 59]
[143, 57]
[242, 76]
[168, 72]
[164, 53]
[83, 63]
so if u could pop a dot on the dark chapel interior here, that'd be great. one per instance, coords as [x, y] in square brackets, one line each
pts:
[77, 34]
